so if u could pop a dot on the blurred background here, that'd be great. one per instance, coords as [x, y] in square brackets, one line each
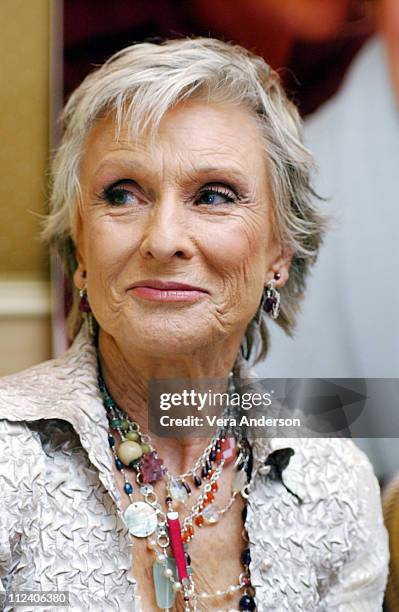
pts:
[339, 62]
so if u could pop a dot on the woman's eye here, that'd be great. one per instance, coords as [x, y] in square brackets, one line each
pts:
[118, 195]
[216, 196]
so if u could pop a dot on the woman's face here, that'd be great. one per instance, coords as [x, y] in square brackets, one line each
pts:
[194, 209]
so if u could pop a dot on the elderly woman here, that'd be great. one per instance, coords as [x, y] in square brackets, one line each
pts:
[181, 206]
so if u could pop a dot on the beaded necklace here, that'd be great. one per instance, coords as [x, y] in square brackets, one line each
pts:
[173, 573]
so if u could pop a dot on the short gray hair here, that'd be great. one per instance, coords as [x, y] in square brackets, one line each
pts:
[139, 84]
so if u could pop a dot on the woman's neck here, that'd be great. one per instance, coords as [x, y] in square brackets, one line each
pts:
[127, 374]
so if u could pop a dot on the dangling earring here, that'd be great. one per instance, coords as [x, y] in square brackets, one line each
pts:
[272, 301]
[84, 308]
[84, 305]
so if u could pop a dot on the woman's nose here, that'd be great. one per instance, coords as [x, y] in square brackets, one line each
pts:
[166, 234]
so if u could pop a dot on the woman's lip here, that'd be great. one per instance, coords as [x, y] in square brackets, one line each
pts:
[167, 291]
[167, 285]
[167, 295]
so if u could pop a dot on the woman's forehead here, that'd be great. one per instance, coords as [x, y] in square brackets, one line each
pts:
[206, 134]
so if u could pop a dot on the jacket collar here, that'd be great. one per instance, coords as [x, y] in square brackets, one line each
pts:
[65, 388]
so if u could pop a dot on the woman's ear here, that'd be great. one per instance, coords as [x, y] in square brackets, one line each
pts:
[280, 266]
[79, 275]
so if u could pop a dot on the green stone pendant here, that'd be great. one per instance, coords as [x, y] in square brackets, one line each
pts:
[164, 593]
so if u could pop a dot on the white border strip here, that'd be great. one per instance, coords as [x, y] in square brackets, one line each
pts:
[24, 298]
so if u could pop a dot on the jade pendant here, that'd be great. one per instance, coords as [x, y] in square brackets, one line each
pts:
[164, 593]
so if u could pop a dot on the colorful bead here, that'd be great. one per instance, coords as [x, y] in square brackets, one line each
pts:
[209, 496]
[214, 487]
[211, 513]
[119, 464]
[132, 435]
[197, 480]
[190, 530]
[127, 487]
[178, 491]
[128, 451]
[199, 520]
[111, 441]
[115, 423]
[151, 468]
[124, 425]
[247, 603]
[187, 487]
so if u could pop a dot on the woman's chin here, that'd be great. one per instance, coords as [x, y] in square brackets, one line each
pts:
[166, 337]
[170, 345]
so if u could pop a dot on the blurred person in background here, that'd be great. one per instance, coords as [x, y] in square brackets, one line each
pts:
[349, 325]
[310, 42]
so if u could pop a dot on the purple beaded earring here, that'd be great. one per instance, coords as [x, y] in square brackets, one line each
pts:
[270, 301]
[272, 297]
[84, 305]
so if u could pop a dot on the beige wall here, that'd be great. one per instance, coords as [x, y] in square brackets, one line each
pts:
[24, 150]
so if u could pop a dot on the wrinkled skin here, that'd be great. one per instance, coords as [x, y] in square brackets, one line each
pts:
[164, 229]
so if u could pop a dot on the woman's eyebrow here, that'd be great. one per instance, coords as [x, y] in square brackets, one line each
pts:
[221, 169]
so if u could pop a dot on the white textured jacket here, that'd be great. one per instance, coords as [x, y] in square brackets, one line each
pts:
[61, 526]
